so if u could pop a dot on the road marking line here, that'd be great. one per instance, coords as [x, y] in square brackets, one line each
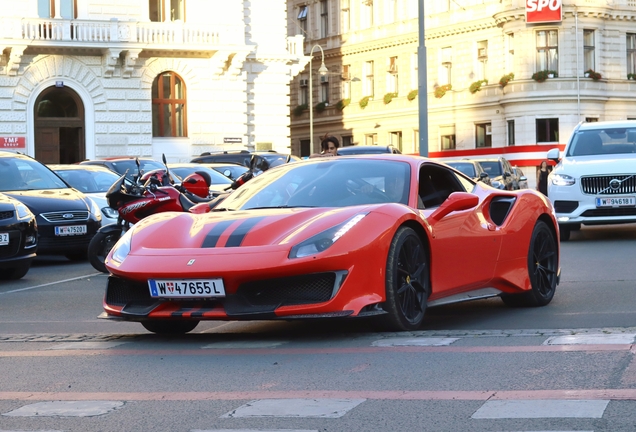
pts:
[432, 395]
[244, 344]
[423, 341]
[51, 283]
[66, 409]
[597, 339]
[296, 408]
[527, 409]
[85, 345]
[254, 430]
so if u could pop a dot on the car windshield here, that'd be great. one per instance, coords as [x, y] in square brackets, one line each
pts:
[358, 151]
[333, 183]
[215, 176]
[603, 141]
[88, 181]
[131, 166]
[17, 174]
[464, 167]
[492, 168]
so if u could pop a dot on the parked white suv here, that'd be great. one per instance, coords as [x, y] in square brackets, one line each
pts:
[594, 182]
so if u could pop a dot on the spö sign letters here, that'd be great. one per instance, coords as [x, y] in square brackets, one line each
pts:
[538, 11]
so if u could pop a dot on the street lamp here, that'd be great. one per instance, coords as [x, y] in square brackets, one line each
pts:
[323, 71]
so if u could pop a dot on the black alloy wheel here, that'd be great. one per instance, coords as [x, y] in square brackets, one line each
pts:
[407, 281]
[99, 248]
[170, 327]
[543, 261]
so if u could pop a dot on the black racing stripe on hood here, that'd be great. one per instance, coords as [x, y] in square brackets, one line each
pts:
[236, 238]
[213, 236]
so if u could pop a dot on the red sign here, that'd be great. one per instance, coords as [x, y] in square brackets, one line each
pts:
[13, 142]
[540, 11]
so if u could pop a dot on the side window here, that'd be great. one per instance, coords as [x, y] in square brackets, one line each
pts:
[436, 183]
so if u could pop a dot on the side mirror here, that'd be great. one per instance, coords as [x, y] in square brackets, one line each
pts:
[483, 175]
[455, 202]
[523, 178]
[506, 174]
[553, 154]
[227, 173]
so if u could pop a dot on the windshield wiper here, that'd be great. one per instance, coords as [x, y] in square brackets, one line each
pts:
[220, 209]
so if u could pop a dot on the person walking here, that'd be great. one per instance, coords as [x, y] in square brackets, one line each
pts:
[329, 146]
[542, 177]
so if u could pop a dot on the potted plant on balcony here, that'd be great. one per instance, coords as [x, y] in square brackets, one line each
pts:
[298, 111]
[543, 75]
[440, 91]
[552, 74]
[476, 86]
[505, 79]
[412, 94]
[343, 103]
[364, 102]
[591, 74]
[631, 76]
[320, 106]
[389, 97]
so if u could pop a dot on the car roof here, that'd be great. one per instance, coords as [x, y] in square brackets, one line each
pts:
[606, 124]
[84, 167]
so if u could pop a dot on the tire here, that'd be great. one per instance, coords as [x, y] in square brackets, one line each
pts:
[77, 256]
[167, 327]
[16, 273]
[407, 281]
[564, 232]
[100, 246]
[543, 261]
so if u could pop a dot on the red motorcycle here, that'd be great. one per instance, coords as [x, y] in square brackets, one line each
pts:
[150, 193]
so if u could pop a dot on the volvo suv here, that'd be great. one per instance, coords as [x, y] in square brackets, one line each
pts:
[594, 183]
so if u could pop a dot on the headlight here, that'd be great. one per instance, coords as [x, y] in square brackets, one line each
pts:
[110, 213]
[122, 247]
[562, 180]
[23, 211]
[95, 210]
[325, 239]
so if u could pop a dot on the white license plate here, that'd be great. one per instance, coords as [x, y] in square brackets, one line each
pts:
[186, 288]
[616, 202]
[70, 230]
[4, 239]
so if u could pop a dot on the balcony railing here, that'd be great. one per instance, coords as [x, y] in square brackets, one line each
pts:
[102, 33]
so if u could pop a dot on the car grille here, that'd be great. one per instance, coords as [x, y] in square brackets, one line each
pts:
[68, 243]
[296, 290]
[6, 215]
[119, 292]
[565, 206]
[610, 212]
[602, 185]
[65, 216]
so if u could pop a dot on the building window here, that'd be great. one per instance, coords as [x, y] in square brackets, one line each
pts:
[368, 79]
[482, 58]
[166, 10]
[591, 119]
[588, 50]
[46, 8]
[510, 51]
[447, 66]
[392, 75]
[345, 16]
[547, 130]
[346, 82]
[395, 139]
[392, 11]
[511, 132]
[347, 140]
[367, 13]
[371, 139]
[324, 88]
[305, 150]
[302, 19]
[447, 137]
[324, 18]
[303, 92]
[483, 135]
[547, 50]
[168, 106]
[631, 53]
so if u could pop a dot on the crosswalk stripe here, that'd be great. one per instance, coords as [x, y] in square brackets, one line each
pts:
[298, 408]
[434, 341]
[85, 345]
[244, 344]
[597, 339]
[65, 409]
[546, 408]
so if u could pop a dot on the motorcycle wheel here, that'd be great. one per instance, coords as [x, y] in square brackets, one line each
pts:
[99, 247]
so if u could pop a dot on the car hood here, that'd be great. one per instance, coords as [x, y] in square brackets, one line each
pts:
[51, 200]
[597, 165]
[265, 227]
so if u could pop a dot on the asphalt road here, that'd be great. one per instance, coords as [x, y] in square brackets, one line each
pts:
[568, 366]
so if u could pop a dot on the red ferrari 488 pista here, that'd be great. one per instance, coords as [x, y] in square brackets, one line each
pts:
[350, 236]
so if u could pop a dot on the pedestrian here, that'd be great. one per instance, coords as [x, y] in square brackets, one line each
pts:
[329, 146]
[542, 177]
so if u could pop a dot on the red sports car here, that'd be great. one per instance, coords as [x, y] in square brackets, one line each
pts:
[337, 237]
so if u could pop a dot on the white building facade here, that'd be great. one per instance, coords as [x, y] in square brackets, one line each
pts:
[92, 79]
[485, 61]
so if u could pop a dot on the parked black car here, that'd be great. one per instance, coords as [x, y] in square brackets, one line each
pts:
[500, 172]
[18, 238]
[242, 157]
[367, 149]
[66, 218]
[119, 165]
[472, 169]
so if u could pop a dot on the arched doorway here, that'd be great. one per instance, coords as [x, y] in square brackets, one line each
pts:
[59, 126]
